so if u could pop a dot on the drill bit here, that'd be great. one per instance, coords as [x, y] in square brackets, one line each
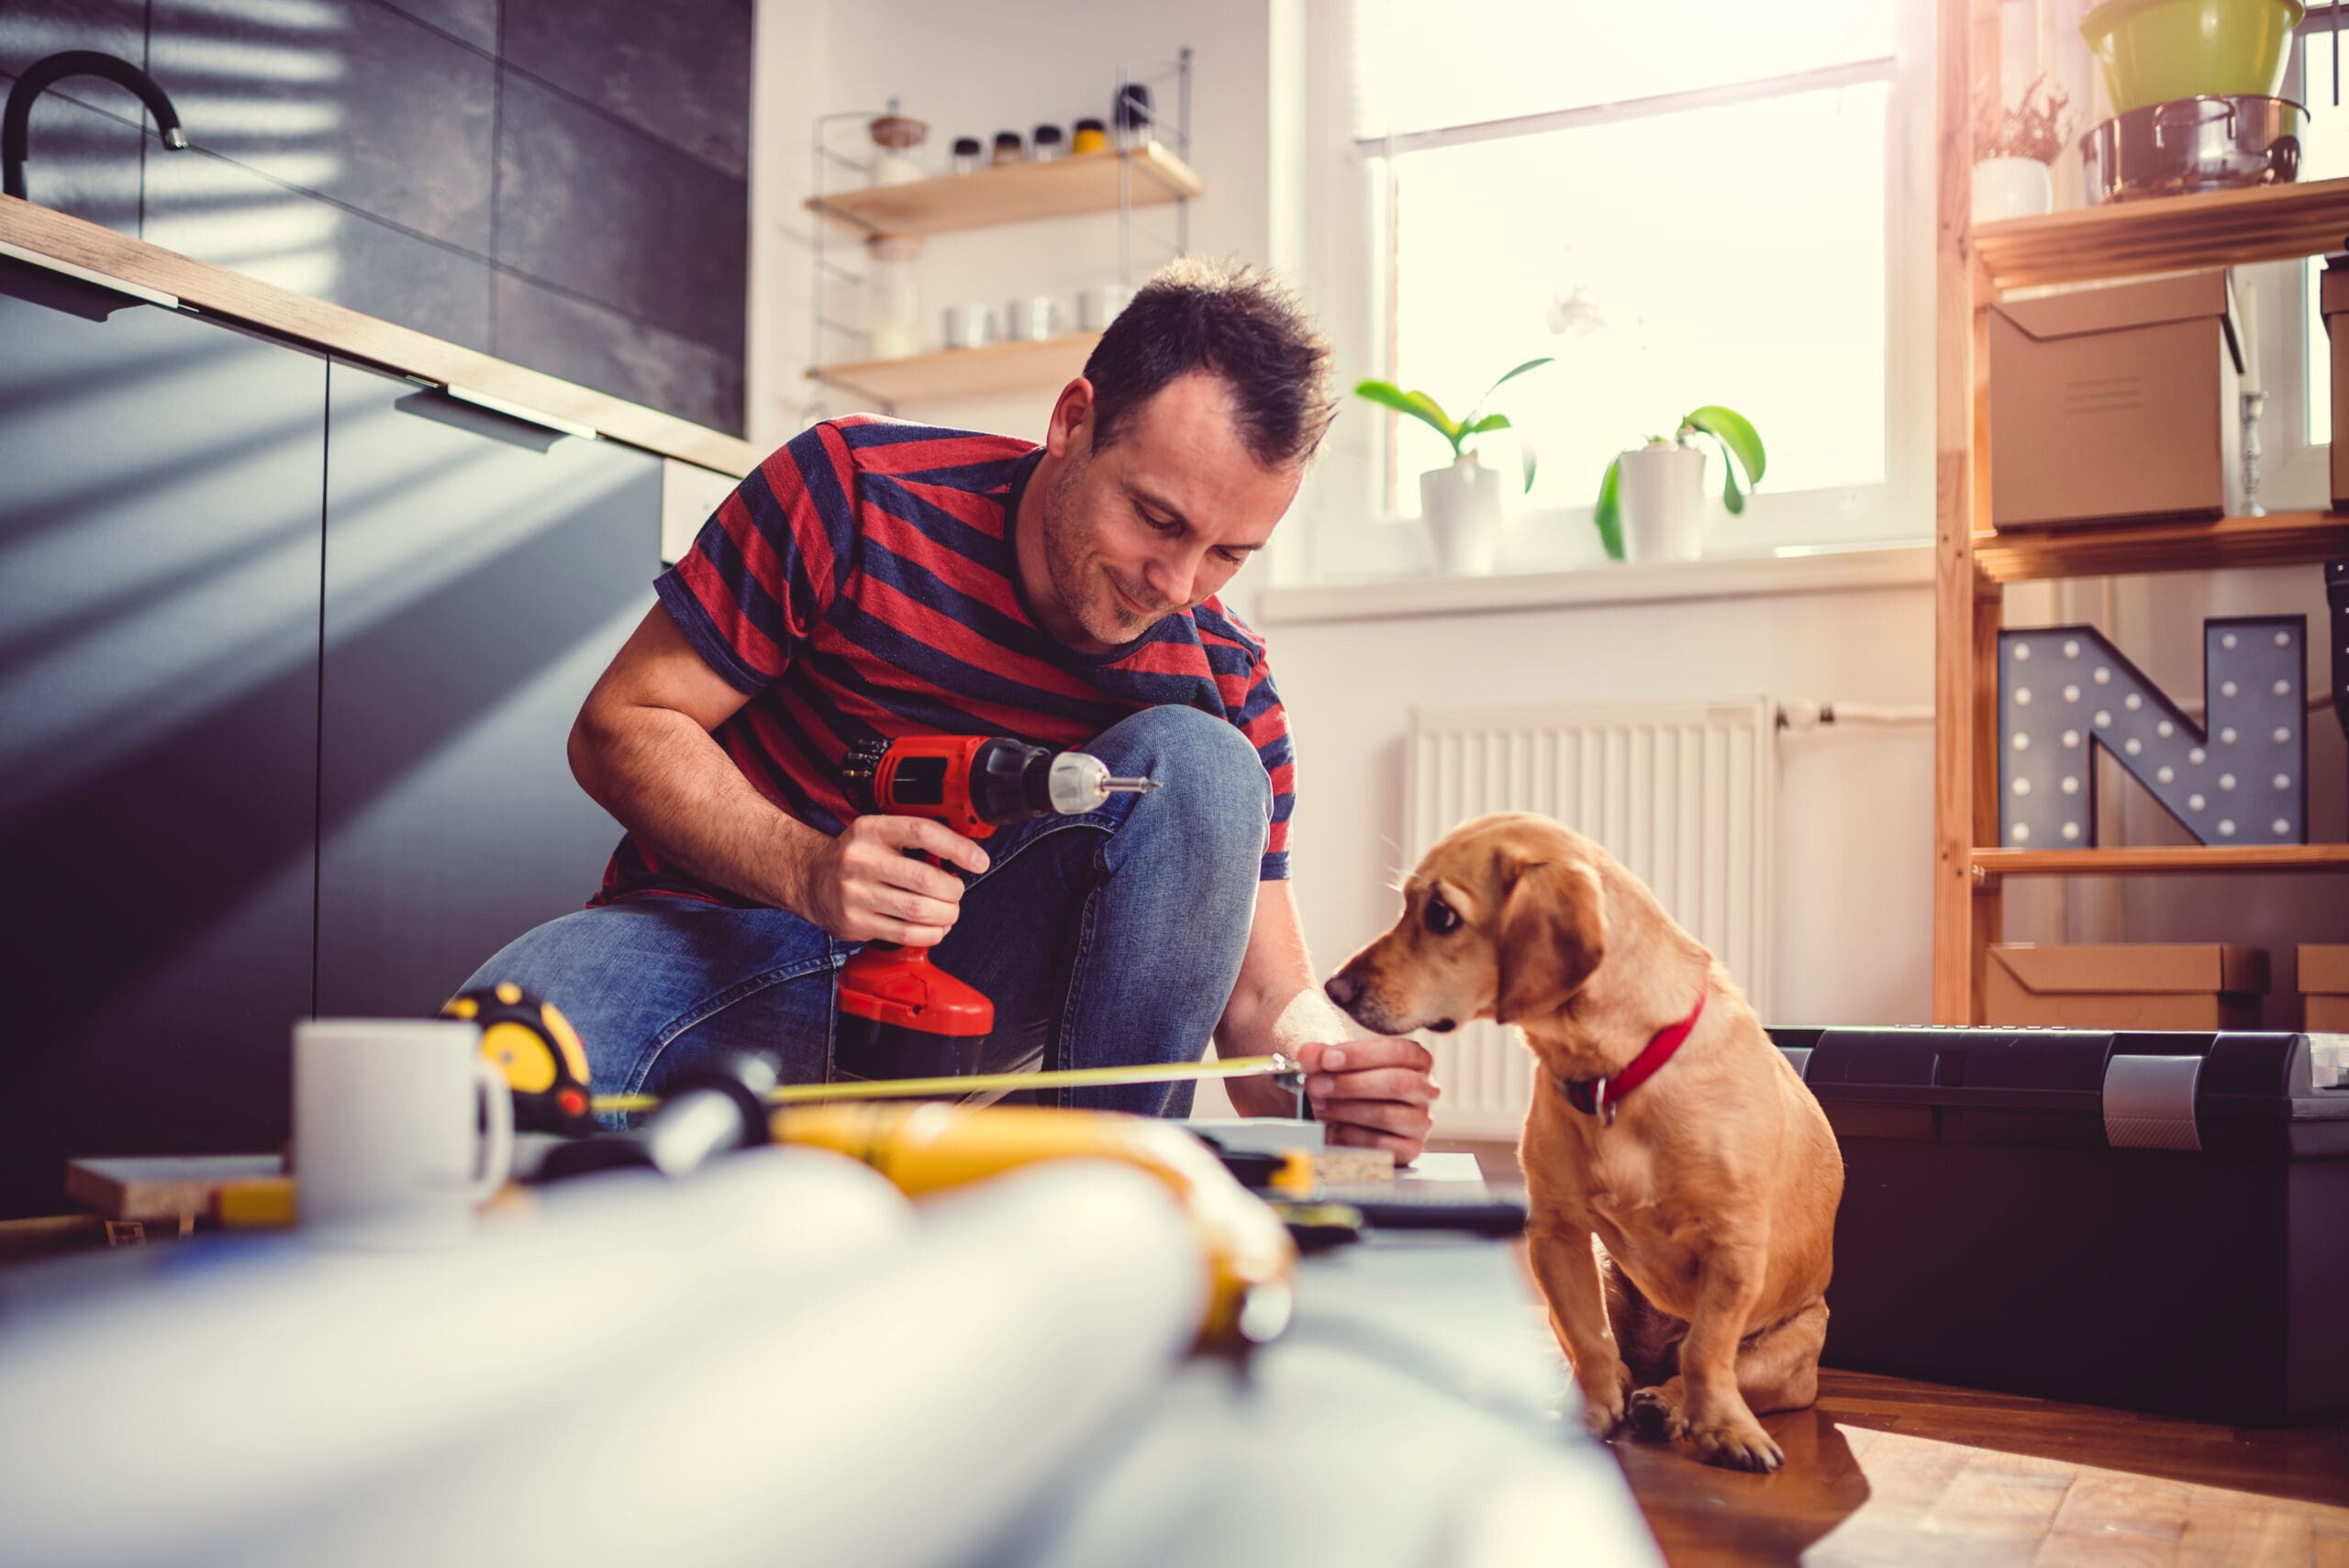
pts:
[1131, 786]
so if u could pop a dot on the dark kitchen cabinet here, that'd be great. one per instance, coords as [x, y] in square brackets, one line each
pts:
[479, 576]
[160, 495]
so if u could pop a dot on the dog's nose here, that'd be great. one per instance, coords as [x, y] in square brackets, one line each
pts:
[1342, 989]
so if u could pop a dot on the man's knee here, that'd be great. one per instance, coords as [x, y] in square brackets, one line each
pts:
[1212, 785]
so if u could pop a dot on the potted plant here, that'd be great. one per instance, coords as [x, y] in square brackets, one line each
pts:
[1651, 503]
[1461, 502]
[2012, 156]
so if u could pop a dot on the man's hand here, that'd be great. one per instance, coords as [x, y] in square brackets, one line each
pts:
[1373, 1094]
[862, 886]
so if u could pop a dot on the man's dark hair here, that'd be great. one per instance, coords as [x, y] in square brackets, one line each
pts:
[1238, 326]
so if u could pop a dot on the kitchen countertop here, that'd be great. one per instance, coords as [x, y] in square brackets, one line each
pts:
[40, 232]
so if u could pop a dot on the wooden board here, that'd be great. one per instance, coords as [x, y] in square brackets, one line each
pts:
[2279, 539]
[2124, 239]
[966, 372]
[1884, 1471]
[160, 1187]
[1014, 193]
[216, 291]
[2164, 858]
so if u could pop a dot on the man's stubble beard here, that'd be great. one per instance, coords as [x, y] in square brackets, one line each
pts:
[1065, 543]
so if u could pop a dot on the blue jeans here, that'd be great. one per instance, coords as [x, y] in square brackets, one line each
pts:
[1106, 938]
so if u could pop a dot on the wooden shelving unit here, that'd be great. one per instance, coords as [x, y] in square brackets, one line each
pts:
[2279, 539]
[1015, 193]
[965, 373]
[1974, 564]
[2127, 240]
[2162, 858]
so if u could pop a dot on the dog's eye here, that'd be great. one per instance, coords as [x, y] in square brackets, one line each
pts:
[1440, 917]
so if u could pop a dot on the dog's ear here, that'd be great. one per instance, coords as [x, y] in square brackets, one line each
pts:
[1551, 935]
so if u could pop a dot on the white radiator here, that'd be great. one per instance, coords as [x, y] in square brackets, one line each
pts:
[1683, 793]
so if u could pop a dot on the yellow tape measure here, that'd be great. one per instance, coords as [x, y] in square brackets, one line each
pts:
[983, 1083]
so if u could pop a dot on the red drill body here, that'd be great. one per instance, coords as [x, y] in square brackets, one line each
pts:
[901, 1015]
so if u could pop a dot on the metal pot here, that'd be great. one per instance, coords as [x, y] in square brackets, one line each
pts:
[2192, 144]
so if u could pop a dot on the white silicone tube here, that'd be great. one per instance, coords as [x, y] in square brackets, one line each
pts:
[907, 1418]
[143, 1421]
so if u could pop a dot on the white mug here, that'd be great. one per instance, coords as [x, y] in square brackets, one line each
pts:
[971, 326]
[1098, 306]
[1031, 316]
[401, 1128]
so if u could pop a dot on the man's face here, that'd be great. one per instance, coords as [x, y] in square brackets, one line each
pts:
[1156, 523]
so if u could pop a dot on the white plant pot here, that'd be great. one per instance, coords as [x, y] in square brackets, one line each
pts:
[1461, 505]
[1662, 493]
[2012, 187]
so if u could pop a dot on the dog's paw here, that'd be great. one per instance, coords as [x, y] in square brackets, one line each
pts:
[1603, 1402]
[1738, 1443]
[1653, 1416]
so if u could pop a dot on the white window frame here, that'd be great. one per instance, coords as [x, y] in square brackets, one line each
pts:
[1346, 267]
[2296, 472]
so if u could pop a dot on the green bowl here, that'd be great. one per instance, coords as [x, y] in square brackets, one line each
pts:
[2154, 50]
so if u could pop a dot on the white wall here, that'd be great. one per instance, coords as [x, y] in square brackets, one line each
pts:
[974, 70]
[1855, 859]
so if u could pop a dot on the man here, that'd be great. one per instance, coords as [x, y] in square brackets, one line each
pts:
[876, 578]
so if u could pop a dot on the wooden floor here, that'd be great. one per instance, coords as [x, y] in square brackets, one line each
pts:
[1887, 1471]
[1891, 1473]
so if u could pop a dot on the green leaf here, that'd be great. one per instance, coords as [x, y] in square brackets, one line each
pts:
[1737, 436]
[1489, 422]
[1418, 405]
[1610, 515]
[1528, 451]
[1527, 365]
[1731, 497]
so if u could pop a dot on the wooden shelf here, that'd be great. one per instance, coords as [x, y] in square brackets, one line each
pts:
[1014, 193]
[2168, 234]
[2158, 858]
[965, 373]
[2279, 539]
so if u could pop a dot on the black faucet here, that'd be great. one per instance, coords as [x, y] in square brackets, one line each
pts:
[17, 117]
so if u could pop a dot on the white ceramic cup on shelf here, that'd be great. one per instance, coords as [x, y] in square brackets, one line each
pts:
[1031, 316]
[401, 1130]
[1098, 306]
[971, 326]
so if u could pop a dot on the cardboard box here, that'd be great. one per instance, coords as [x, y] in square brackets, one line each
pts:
[2333, 300]
[2114, 403]
[2125, 985]
[2324, 988]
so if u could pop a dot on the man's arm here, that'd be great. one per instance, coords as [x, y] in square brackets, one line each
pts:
[1373, 1092]
[642, 749]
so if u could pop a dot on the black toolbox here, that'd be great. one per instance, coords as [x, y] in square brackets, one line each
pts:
[2158, 1221]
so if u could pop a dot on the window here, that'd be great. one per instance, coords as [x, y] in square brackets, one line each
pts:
[2279, 309]
[1717, 201]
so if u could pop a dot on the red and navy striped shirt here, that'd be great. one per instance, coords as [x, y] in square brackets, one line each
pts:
[862, 583]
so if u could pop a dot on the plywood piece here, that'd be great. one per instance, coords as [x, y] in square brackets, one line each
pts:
[966, 372]
[160, 1187]
[1014, 193]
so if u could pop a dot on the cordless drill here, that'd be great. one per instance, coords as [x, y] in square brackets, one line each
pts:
[901, 1015]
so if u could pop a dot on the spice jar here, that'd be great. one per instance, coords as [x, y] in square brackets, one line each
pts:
[1132, 113]
[1089, 138]
[1009, 149]
[966, 154]
[1045, 144]
[894, 137]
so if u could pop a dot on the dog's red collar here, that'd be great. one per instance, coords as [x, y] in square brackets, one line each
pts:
[1599, 1097]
